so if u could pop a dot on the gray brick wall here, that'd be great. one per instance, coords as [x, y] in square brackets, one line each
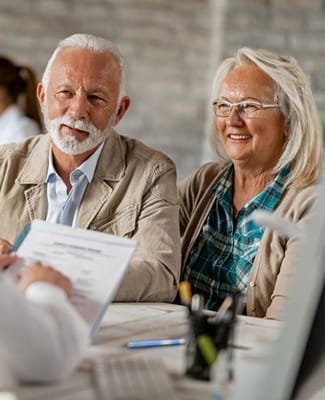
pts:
[292, 27]
[170, 49]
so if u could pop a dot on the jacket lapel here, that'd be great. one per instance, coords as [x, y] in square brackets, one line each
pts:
[110, 169]
[36, 201]
[33, 176]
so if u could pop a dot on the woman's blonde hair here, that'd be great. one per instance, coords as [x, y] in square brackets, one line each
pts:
[303, 149]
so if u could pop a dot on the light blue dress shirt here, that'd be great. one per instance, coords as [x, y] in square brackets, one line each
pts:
[57, 195]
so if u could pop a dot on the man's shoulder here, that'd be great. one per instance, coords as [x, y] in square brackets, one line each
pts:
[22, 148]
[134, 148]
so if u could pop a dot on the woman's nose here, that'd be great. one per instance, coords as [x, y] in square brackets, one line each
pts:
[234, 117]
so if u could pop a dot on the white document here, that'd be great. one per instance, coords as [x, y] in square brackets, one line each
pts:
[95, 263]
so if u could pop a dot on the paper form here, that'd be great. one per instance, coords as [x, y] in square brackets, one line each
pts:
[95, 263]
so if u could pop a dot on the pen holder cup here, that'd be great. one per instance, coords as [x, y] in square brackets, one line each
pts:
[206, 337]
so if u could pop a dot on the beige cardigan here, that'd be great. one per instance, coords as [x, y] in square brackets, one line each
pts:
[274, 264]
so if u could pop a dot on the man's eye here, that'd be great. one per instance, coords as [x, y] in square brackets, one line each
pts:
[64, 94]
[95, 97]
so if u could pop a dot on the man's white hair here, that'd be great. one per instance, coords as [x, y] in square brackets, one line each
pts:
[90, 42]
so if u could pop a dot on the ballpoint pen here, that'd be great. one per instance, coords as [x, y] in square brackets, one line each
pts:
[225, 306]
[141, 344]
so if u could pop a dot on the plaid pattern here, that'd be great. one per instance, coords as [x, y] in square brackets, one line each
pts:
[223, 254]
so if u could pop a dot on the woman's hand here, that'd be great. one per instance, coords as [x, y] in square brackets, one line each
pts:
[37, 272]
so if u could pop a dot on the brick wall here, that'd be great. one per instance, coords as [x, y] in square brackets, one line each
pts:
[170, 49]
[292, 27]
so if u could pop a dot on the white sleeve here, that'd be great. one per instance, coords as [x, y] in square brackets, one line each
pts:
[42, 338]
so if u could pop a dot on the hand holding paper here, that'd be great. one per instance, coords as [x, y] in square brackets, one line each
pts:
[94, 262]
[38, 272]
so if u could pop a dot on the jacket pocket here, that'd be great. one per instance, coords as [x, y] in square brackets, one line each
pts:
[121, 223]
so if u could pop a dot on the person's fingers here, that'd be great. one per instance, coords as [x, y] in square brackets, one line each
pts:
[66, 285]
[36, 265]
[7, 259]
[40, 273]
[5, 246]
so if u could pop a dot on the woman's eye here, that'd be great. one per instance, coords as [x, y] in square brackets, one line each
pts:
[223, 106]
[250, 106]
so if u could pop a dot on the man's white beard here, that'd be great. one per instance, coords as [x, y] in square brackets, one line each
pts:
[68, 143]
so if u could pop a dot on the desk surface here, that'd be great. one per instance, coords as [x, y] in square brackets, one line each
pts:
[133, 321]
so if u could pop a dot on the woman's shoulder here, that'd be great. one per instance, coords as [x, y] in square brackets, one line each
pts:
[201, 180]
[300, 193]
[208, 172]
[296, 200]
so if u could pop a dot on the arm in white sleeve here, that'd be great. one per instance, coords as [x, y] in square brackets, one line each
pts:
[42, 337]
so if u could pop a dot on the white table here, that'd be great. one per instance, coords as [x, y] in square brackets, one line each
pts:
[133, 321]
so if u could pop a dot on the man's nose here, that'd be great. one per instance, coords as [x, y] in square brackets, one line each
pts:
[79, 106]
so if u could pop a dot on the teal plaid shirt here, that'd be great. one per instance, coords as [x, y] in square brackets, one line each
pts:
[223, 254]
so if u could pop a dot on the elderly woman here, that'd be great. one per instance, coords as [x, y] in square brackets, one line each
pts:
[267, 134]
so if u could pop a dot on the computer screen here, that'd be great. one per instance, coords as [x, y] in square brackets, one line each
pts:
[296, 368]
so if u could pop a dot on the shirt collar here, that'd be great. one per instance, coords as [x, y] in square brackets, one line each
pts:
[224, 187]
[266, 200]
[87, 167]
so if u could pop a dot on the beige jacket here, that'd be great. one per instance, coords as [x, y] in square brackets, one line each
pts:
[274, 264]
[133, 194]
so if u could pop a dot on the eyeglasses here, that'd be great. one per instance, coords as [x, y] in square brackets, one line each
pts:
[246, 109]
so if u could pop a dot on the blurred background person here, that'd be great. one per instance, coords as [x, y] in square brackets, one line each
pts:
[19, 112]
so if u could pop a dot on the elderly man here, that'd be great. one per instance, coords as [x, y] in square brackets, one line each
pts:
[85, 174]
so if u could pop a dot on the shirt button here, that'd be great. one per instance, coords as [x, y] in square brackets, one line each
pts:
[257, 244]
[252, 284]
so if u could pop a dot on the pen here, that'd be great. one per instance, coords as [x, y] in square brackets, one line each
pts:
[185, 293]
[141, 344]
[223, 310]
[197, 304]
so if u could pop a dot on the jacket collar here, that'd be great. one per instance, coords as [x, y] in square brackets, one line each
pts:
[111, 164]
[35, 168]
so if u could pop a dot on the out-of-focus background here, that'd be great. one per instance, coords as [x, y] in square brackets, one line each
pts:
[170, 48]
